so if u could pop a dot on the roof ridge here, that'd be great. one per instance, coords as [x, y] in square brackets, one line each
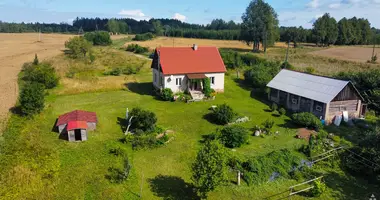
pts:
[317, 75]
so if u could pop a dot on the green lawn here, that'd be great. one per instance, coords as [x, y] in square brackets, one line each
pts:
[79, 169]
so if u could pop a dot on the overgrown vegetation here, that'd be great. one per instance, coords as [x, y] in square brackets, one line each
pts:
[32, 99]
[144, 37]
[42, 73]
[135, 48]
[143, 120]
[307, 120]
[167, 94]
[222, 114]
[234, 136]
[98, 38]
[207, 91]
[78, 47]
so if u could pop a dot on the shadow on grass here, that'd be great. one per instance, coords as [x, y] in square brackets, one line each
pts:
[289, 124]
[16, 110]
[123, 123]
[173, 188]
[141, 88]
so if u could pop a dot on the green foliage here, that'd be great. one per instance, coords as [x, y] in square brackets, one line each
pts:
[309, 70]
[143, 119]
[318, 189]
[307, 120]
[126, 70]
[268, 126]
[157, 27]
[282, 111]
[274, 107]
[287, 65]
[117, 175]
[144, 37]
[223, 114]
[260, 24]
[260, 75]
[207, 87]
[98, 38]
[135, 48]
[234, 136]
[167, 94]
[42, 73]
[293, 34]
[32, 98]
[258, 170]
[140, 142]
[210, 167]
[117, 26]
[92, 57]
[35, 61]
[325, 30]
[78, 47]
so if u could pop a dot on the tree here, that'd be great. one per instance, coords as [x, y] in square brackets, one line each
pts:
[78, 46]
[210, 167]
[143, 120]
[234, 136]
[42, 73]
[293, 34]
[345, 29]
[223, 114]
[123, 27]
[113, 26]
[35, 61]
[32, 98]
[325, 30]
[101, 38]
[260, 25]
[157, 28]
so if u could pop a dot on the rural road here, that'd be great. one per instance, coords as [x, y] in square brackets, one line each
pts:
[15, 50]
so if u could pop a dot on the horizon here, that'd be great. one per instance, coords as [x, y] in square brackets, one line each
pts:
[300, 13]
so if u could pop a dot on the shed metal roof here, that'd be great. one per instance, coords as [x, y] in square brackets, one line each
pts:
[317, 88]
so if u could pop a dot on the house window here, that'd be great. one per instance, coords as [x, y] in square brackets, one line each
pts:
[212, 79]
[294, 100]
[178, 81]
[318, 108]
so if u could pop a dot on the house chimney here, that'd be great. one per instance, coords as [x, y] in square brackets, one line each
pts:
[195, 47]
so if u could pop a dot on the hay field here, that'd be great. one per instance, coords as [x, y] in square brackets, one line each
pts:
[356, 54]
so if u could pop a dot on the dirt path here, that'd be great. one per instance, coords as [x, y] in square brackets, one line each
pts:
[16, 49]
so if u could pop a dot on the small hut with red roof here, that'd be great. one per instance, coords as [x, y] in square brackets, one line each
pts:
[76, 123]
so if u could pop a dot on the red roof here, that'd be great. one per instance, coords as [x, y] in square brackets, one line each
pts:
[76, 125]
[186, 60]
[77, 115]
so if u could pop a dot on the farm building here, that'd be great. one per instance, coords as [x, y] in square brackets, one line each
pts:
[183, 69]
[75, 124]
[322, 96]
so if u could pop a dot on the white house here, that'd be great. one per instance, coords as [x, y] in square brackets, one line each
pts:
[183, 68]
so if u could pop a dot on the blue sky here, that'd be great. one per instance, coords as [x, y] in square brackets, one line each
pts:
[291, 13]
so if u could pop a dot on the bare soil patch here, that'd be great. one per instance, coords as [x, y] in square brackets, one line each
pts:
[356, 54]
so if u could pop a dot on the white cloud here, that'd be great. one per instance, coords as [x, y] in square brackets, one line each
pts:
[313, 4]
[134, 14]
[334, 6]
[179, 17]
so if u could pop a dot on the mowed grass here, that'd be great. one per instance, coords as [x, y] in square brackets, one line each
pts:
[163, 173]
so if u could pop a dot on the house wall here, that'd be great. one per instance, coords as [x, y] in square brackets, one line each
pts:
[218, 86]
[71, 135]
[156, 78]
[83, 134]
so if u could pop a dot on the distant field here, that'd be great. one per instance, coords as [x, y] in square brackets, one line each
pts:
[357, 54]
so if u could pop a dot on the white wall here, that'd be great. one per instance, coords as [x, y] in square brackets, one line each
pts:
[219, 81]
[170, 82]
[157, 82]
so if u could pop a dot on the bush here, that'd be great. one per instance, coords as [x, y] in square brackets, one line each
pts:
[167, 94]
[260, 75]
[144, 37]
[273, 107]
[43, 73]
[32, 98]
[287, 65]
[234, 136]
[318, 189]
[268, 125]
[307, 119]
[143, 120]
[98, 38]
[223, 114]
[282, 111]
[119, 175]
[137, 49]
[147, 142]
[309, 70]
[207, 87]
[78, 46]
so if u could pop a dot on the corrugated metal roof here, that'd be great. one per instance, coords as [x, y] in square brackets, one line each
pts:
[318, 88]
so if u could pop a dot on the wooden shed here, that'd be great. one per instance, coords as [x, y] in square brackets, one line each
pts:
[324, 97]
[75, 124]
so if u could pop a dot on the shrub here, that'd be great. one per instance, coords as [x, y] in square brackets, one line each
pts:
[307, 119]
[309, 70]
[207, 87]
[101, 38]
[35, 61]
[32, 98]
[119, 175]
[296, 175]
[260, 75]
[137, 49]
[43, 73]
[78, 46]
[273, 107]
[287, 65]
[118, 151]
[143, 37]
[143, 120]
[167, 94]
[92, 57]
[268, 125]
[282, 111]
[223, 114]
[318, 189]
[234, 136]
[147, 141]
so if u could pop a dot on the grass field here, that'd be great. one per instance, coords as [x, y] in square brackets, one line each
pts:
[356, 54]
[37, 164]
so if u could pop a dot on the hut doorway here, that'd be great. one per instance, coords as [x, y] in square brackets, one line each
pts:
[78, 134]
